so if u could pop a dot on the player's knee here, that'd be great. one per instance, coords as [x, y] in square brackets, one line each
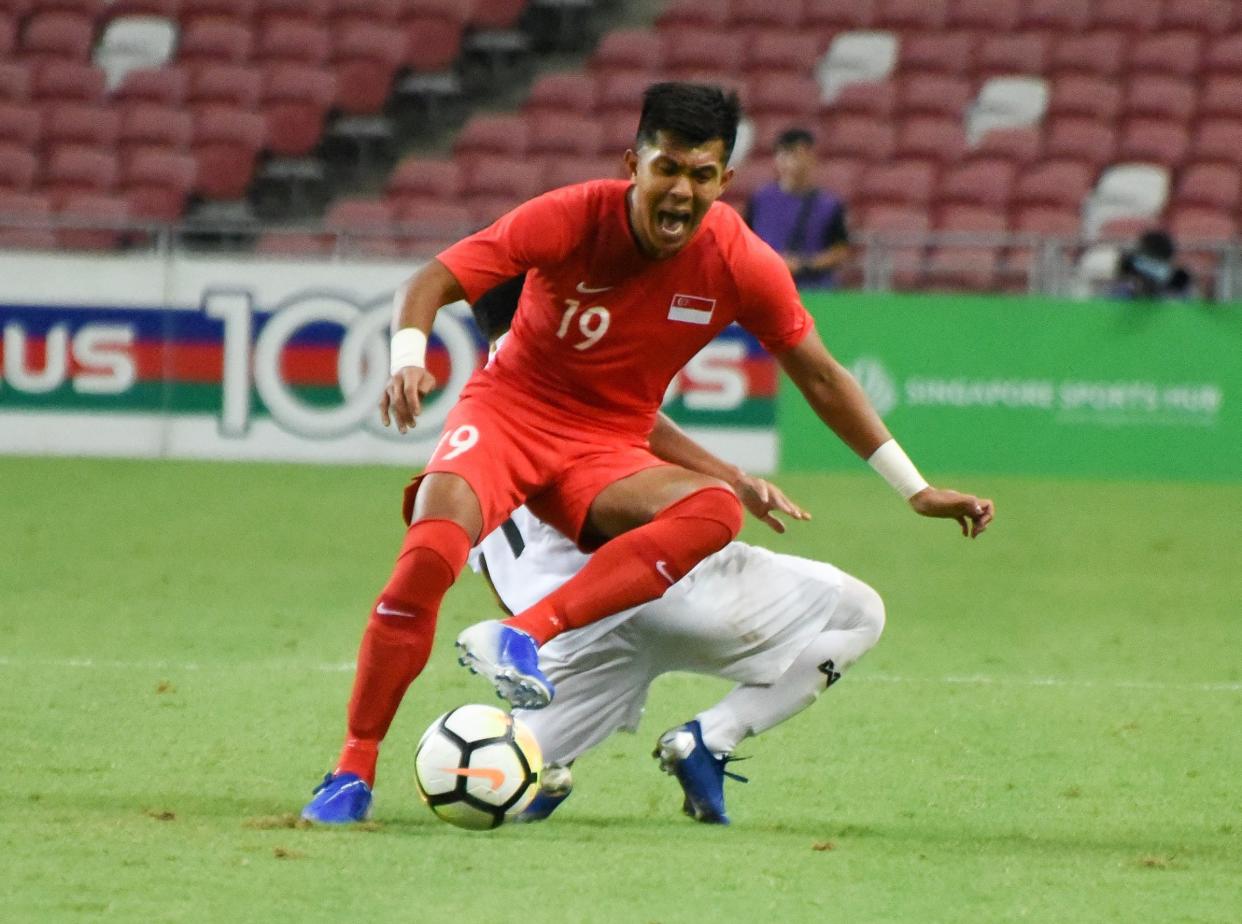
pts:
[716, 505]
[871, 615]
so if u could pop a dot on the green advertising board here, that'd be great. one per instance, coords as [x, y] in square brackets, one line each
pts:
[1034, 386]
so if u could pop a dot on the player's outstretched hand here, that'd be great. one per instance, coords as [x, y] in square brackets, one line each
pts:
[403, 397]
[762, 497]
[972, 513]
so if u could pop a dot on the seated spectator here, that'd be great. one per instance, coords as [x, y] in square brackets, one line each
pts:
[1147, 272]
[803, 223]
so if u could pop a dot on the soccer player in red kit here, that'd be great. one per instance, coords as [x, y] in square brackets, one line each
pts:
[625, 282]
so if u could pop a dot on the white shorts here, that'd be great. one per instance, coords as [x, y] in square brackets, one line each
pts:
[744, 614]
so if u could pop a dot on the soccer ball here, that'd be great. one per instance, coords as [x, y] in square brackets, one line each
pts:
[477, 766]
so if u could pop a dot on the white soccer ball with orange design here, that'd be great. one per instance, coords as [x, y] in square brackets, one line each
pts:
[477, 766]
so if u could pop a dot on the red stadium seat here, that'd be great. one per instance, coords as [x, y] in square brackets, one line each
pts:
[973, 262]
[1078, 138]
[226, 147]
[792, 96]
[75, 169]
[839, 174]
[1211, 17]
[567, 134]
[149, 126]
[1055, 183]
[496, 14]
[284, 41]
[757, 172]
[29, 208]
[235, 85]
[1020, 145]
[874, 99]
[18, 167]
[366, 58]
[1134, 16]
[562, 92]
[293, 244]
[433, 42]
[1217, 139]
[1221, 96]
[1212, 185]
[894, 225]
[695, 14]
[935, 138]
[110, 213]
[497, 176]
[697, 50]
[762, 14]
[21, 124]
[837, 15]
[215, 41]
[985, 15]
[1066, 16]
[1224, 55]
[65, 81]
[985, 182]
[908, 182]
[1176, 53]
[630, 50]
[307, 11]
[1102, 53]
[934, 94]
[946, 52]
[485, 134]
[8, 35]
[369, 225]
[15, 80]
[911, 15]
[1158, 96]
[857, 136]
[777, 50]
[295, 102]
[164, 9]
[81, 123]
[168, 86]
[421, 179]
[565, 171]
[158, 183]
[1085, 95]
[1189, 224]
[237, 10]
[438, 222]
[621, 92]
[57, 35]
[1021, 53]
[1154, 140]
[1048, 221]
[342, 13]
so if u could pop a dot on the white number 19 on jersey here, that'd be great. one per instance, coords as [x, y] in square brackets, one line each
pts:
[592, 323]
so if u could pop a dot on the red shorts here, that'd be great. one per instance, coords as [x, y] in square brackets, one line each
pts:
[512, 451]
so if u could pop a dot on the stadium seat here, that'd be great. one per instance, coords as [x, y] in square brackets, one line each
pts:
[1068, 16]
[1061, 184]
[1078, 138]
[1221, 96]
[168, 86]
[943, 52]
[857, 136]
[154, 127]
[1224, 54]
[1126, 191]
[15, 80]
[874, 99]
[1006, 55]
[363, 226]
[8, 35]
[215, 41]
[984, 15]
[419, 179]
[1212, 185]
[985, 182]
[764, 14]
[780, 51]
[365, 58]
[1217, 139]
[305, 11]
[18, 167]
[629, 50]
[76, 169]
[226, 147]
[838, 174]
[970, 260]
[1007, 102]
[564, 135]
[1211, 17]
[433, 40]
[109, 213]
[293, 244]
[1100, 53]
[1133, 16]
[1154, 140]
[911, 15]
[295, 100]
[236, 10]
[164, 9]
[1177, 53]
[81, 123]
[50, 36]
[1085, 95]
[892, 227]
[342, 13]
[565, 171]
[21, 124]
[435, 222]
[63, 81]
[29, 208]
[856, 57]
[620, 92]
[1020, 145]
[697, 50]
[826, 16]
[940, 139]
[496, 14]
[1161, 97]
[562, 92]
[157, 183]
[133, 42]
[695, 14]
[792, 96]
[285, 41]
[909, 182]
[1188, 224]
[496, 176]
[1048, 220]
[934, 94]
[485, 134]
[235, 85]
[758, 172]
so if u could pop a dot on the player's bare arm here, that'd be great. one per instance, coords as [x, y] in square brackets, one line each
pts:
[414, 313]
[759, 496]
[840, 402]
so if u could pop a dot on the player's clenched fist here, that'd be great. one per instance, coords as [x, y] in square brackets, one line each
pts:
[403, 397]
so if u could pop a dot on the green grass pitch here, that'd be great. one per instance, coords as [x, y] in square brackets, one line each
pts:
[1050, 730]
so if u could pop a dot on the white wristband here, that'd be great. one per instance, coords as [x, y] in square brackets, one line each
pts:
[894, 466]
[409, 348]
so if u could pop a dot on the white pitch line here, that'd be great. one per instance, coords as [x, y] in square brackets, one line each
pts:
[341, 667]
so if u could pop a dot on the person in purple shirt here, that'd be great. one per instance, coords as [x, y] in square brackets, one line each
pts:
[803, 223]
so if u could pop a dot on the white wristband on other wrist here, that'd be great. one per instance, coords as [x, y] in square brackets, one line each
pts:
[894, 466]
[409, 348]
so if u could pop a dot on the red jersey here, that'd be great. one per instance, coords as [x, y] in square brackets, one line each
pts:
[601, 329]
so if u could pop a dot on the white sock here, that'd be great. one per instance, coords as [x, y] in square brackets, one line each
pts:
[749, 709]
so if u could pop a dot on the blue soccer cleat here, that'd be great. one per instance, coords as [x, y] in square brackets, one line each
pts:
[555, 785]
[509, 658]
[340, 799]
[701, 773]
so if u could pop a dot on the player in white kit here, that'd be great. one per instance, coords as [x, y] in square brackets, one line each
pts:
[784, 628]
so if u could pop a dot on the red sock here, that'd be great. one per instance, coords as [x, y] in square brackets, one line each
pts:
[638, 566]
[398, 637]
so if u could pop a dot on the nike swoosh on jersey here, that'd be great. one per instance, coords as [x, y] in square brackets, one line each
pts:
[662, 567]
[587, 290]
[385, 610]
[495, 778]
